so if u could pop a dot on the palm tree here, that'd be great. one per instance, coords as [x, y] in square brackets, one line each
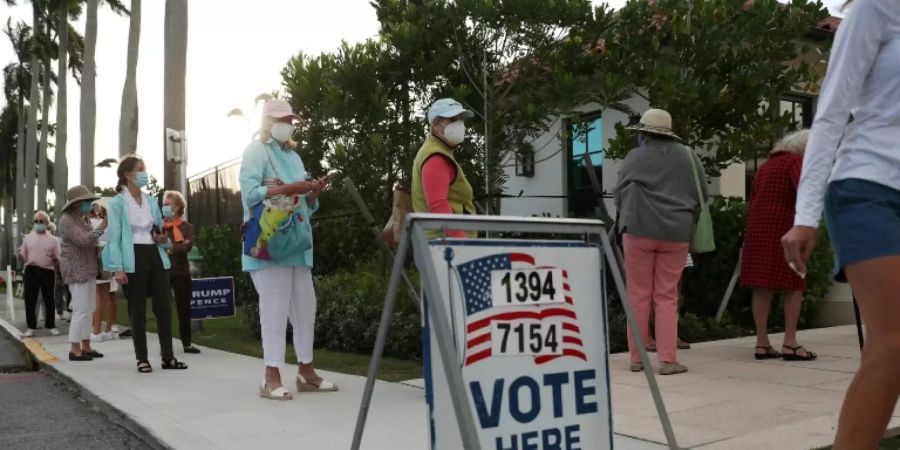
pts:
[128, 121]
[176, 25]
[88, 96]
[45, 123]
[89, 89]
[17, 78]
[61, 174]
[70, 43]
[31, 144]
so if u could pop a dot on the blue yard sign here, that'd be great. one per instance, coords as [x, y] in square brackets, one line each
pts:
[212, 298]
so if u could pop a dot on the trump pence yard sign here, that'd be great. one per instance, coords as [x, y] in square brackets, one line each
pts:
[529, 324]
[212, 298]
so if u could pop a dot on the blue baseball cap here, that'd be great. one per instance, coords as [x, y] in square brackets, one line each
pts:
[447, 107]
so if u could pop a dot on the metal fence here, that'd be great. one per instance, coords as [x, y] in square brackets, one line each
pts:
[214, 196]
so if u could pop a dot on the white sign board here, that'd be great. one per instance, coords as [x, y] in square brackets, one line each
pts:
[529, 321]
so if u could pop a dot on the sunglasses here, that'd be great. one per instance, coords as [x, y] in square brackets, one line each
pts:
[39, 221]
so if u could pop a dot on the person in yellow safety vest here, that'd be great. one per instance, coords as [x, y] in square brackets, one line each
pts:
[439, 184]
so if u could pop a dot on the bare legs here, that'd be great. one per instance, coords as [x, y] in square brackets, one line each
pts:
[872, 396]
[762, 302]
[102, 307]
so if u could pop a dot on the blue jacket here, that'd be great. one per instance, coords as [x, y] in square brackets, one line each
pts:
[118, 254]
[256, 166]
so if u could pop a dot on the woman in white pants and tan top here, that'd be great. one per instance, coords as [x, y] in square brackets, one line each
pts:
[271, 171]
[78, 266]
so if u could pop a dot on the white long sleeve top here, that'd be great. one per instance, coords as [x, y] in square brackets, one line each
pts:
[863, 80]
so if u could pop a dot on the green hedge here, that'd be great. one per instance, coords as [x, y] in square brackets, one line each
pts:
[350, 298]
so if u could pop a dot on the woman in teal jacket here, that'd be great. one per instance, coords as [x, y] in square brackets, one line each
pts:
[136, 253]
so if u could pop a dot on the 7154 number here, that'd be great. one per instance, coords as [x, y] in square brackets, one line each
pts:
[527, 339]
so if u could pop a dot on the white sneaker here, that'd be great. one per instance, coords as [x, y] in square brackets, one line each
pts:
[28, 333]
[115, 329]
[96, 337]
[54, 332]
[108, 336]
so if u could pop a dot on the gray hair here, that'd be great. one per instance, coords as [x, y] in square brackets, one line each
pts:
[792, 143]
[42, 214]
[51, 227]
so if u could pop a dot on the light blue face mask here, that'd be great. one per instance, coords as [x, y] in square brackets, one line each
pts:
[40, 227]
[86, 207]
[142, 179]
[642, 139]
[167, 212]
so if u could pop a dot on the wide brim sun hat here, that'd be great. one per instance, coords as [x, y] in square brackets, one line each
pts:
[79, 194]
[655, 121]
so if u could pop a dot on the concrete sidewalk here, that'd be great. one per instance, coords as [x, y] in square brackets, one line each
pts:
[728, 400]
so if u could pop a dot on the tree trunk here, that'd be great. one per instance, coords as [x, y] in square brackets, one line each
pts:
[20, 171]
[174, 78]
[128, 121]
[31, 139]
[7, 227]
[88, 97]
[45, 133]
[61, 167]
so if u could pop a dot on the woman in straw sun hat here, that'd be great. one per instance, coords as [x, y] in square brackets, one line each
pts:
[657, 199]
[78, 265]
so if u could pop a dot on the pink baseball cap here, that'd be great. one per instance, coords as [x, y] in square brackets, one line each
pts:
[279, 109]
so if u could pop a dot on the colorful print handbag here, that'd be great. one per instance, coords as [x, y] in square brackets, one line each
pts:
[276, 229]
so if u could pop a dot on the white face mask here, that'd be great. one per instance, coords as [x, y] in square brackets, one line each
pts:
[455, 133]
[281, 131]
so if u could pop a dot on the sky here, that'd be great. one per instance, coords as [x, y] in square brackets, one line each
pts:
[235, 52]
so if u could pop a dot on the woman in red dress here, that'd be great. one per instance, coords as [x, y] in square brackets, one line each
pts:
[763, 267]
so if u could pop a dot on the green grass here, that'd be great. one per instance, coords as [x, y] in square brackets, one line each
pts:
[232, 335]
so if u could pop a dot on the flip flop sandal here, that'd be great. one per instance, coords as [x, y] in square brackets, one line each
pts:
[174, 364]
[682, 345]
[809, 356]
[651, 348]
[143, 366]
[280, 394]
[769, 354]
[322, 385]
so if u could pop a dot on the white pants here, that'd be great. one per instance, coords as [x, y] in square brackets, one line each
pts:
[84, 302]
[286, 292]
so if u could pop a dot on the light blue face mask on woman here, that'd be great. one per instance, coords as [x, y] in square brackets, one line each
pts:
[167, 212]
[141, 179]
[40, 227]
[86, 207]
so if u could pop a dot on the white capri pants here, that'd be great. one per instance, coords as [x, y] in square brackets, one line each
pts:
[84, 302]
[286, 292]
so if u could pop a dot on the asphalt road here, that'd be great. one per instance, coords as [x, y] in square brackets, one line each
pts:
[38, 413]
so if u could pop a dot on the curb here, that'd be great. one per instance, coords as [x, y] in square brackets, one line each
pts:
[37, 355]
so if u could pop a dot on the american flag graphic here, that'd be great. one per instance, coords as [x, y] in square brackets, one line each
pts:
[475, 277]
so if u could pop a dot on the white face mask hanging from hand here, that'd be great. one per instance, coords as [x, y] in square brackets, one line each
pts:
[455, 133]
[282, 132]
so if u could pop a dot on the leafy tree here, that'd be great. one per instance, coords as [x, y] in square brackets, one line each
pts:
[718, 67]
[516, 63]
[352, 124]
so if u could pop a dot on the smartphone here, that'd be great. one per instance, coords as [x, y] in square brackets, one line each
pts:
[156, 230]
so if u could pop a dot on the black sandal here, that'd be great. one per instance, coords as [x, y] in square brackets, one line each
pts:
[809, 356]
[143, 366]
[769, 354]
[174, 364]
